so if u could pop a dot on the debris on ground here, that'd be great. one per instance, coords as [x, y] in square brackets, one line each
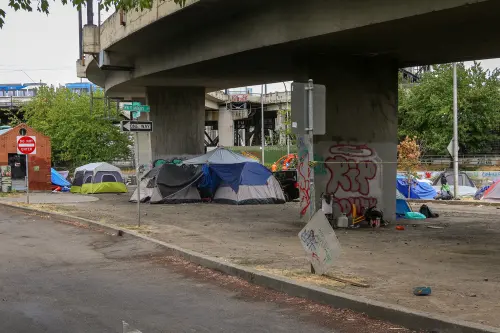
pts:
[422, 291]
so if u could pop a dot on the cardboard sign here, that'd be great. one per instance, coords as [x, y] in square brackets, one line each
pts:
[320, 243]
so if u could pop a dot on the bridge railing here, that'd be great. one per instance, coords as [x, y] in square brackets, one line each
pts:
[13, 101]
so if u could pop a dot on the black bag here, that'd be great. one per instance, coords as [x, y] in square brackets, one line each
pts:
[427, 212]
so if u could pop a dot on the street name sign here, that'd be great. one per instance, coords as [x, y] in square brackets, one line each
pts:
[136, 126]
[136, 107]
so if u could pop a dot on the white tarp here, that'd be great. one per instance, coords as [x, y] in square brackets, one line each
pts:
[320, 243]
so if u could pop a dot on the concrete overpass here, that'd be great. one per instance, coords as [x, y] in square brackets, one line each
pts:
[172, 57]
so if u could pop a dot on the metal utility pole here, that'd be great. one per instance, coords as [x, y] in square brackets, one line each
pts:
[90, 12]
[80, 35]
[287, 120]
[455, 131]
[263, 135]
[310, 134]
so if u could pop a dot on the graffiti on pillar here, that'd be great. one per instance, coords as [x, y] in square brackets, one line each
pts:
[319, 165]
[355, 177]
[304, 174]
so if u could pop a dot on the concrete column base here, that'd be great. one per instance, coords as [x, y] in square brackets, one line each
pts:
[178, 115]
[357, 156]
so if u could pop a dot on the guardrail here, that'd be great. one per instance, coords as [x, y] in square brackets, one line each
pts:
[472, 160]
[13, 101]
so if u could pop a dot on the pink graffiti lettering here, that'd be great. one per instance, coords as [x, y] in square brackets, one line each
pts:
[304, 171]
[350, 175]
[352, 168]
[352, 151]
[361, 203]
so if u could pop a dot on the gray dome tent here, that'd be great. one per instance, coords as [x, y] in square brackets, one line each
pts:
[170, 184]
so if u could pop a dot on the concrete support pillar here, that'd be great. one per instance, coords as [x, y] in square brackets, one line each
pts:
[359, 150]
[178, 115]
[226, 127]
[281, 126]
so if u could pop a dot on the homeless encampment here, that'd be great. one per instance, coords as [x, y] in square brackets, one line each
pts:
[99, 177]
[417, 189]
[170, 184]
[492, 194]
[235, 179]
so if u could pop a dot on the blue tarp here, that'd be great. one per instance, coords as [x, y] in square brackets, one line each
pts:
[402, 207]
[418, 190]
[57, 179]
[238, 174]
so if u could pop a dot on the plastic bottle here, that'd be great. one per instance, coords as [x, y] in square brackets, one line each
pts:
[342, 221]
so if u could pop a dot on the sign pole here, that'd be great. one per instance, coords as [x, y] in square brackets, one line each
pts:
[455, 131]
[310, 134]
[138, 180]
[27, 181]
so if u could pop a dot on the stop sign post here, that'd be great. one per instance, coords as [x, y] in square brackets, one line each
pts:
[26, 145]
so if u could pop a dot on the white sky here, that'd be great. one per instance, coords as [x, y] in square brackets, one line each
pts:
[36, 47]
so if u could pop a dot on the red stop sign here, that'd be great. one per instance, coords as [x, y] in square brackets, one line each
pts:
[26, 145]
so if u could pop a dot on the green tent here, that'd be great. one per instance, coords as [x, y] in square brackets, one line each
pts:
[99, 177]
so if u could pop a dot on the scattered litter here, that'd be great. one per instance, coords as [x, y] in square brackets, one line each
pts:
[400, 227]
[434, 227]
[427, 212]
[414, 216]
[422, 291]
[352, 283]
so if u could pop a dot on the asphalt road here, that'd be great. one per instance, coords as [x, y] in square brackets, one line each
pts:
[61, 278]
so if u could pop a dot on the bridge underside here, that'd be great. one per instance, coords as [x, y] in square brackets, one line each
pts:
[458, 34]
[358, 65]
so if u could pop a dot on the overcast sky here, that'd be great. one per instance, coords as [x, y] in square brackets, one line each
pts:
[36, 47]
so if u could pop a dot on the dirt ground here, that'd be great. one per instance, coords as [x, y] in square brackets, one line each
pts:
[460, 261]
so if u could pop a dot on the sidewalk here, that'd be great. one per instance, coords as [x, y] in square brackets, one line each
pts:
[460, 261]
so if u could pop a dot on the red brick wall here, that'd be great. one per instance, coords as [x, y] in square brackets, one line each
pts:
[39, 180]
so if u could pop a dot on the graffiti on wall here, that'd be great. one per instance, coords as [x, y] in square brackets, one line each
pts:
[304, 174]
[355, 177]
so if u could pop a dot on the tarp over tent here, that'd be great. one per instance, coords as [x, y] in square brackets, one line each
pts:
[220, 156]
[247, 184]
[402, 206]
[418, 190]
[99, 177]
[493, 193]
[176, 184]
[57, 179]
[236, 179]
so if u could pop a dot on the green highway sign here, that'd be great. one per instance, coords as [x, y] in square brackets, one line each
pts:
[136, 107]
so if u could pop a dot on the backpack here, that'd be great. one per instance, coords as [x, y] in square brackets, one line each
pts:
[427, 211]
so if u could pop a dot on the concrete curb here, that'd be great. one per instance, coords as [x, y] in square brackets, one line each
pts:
[392, 313]
[455, 202]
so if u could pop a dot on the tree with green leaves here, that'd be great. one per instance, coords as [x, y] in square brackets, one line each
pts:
[426, 109]
[78, 134]
[43, 6]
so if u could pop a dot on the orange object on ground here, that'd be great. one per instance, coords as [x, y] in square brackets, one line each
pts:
[400, 227]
